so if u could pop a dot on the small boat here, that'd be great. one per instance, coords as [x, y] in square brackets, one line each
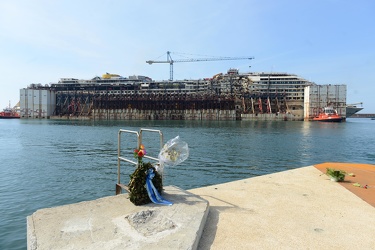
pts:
[9, 113]
[328, 115]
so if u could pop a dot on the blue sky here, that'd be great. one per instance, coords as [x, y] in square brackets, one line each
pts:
[324, 41]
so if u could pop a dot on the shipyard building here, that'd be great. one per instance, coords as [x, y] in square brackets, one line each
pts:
[225, 96]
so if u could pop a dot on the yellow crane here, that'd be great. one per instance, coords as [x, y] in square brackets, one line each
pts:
[171, 61]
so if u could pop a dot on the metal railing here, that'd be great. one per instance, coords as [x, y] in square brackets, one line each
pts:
[139, 135]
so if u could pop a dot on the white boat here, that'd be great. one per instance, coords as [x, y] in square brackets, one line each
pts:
[351, 109]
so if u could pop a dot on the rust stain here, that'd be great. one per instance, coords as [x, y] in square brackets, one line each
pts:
[364, 175]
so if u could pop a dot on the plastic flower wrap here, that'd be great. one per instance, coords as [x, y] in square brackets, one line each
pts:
[173, 153]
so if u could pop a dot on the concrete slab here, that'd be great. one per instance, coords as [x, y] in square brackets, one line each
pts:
[115, 223]
[295, 209]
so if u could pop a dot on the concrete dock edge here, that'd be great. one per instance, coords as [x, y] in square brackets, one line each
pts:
[115, 223]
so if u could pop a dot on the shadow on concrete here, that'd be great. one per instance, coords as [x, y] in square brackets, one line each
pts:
[210, 228]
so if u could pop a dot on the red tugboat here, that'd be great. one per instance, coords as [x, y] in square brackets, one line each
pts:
[329, 115]
[9, 113]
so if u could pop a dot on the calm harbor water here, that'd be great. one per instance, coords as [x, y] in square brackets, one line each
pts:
[46, 163]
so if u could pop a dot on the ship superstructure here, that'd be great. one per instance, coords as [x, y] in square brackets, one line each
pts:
[266, 95]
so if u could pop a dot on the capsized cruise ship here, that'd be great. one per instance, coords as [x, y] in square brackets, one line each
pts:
[224, 96]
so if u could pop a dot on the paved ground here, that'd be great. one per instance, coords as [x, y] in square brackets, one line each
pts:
[295, 209]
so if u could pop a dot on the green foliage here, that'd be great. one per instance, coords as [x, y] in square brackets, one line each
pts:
[339, 175]
[137, 185]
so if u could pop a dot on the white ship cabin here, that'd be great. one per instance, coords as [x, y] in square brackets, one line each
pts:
[330, 111]
[68, 80]
[145, 85]
[233, 71]
[141, 78]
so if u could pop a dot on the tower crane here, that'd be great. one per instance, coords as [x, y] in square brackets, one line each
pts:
[171, 61]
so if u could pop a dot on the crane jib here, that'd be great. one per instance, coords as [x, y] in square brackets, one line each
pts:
[171, 61]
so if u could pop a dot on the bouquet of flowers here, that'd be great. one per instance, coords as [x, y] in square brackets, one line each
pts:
[139, 153]
[146, 182]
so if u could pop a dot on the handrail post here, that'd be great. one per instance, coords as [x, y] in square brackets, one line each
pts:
[119, 186]
[118, 155]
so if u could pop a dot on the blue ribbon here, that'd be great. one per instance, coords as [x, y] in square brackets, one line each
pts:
[152, 192]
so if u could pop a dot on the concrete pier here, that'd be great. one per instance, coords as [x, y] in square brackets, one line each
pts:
[294, 209]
